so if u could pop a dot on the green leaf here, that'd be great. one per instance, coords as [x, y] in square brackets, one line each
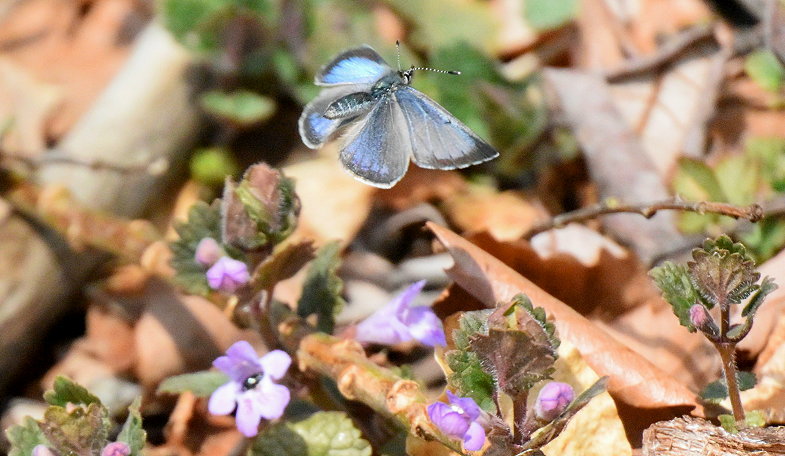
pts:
[282, 264]
[24, 437]
[677, 289]
[468, 378]
[322, 288]
[210, 166]
[185, 19]
[203, 221]
[766, 287]
[769, 152]
[132, 432]
[723, 272]
[716, 391]
[65, 391]
[322, 434]
[201, 384]
[548, 14]
[242, 108]
[739, 176]
[441, 23]
[765, 69]
[765, 238]
[82, 432]
[693, 180]
[755, 419]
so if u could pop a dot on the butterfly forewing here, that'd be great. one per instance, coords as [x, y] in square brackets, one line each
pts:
[377, 146]
[356, 66]
[314, 127]
[438, 139]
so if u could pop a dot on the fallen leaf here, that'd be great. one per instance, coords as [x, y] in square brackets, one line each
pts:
[633, 379]
[505, 215]
[421, 185]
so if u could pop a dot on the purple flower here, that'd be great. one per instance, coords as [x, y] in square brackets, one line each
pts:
[459, 419]
[702, 320]
[399, 321]
[42, 450]
[552, 400]
[227, 274]
[208, 252]
[116, 449]
[251, 386]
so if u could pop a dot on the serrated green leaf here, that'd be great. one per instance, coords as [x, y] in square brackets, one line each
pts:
[548, 14]
[82, 432]
[201, 384]
[132, 432]
[722, 271]
[717, 391]
[24, 437]
[242, 107]
[203, 221]
[322, 288]
[765, 69]
[65, 391]
[210, 166]
[322, 434]
[766, 287]
[468, 379]
[677, 289]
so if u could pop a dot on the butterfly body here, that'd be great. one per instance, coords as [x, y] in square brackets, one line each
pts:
[385, 121]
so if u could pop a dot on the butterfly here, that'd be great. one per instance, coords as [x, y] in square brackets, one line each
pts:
[385, 122]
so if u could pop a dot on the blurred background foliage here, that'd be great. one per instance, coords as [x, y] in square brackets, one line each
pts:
[262, 54]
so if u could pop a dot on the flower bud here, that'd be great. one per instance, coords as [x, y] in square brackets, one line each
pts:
[700, 317]
[208, 252]
[552, 400]
[116, 449]
[41, 450]
[227, 275]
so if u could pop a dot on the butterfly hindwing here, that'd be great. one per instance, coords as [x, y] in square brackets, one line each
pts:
[315, 128]
[377, 147]
[438, 139]
[361, 65]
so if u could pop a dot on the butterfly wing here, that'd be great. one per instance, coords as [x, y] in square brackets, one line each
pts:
[439, 140]
[361, 65]
[315, 129]
[377, 146]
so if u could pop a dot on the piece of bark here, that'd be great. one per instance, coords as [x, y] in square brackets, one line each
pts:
[145, 115]
[689, 436]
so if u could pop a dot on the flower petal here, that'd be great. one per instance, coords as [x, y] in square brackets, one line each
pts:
[273, 399]
[240, 362]
[425, 326]
[223, 399]
[276, 363]
[248, 413]
[448, 420]
[474, 438]
[404, 300]
[467, 404]
[382, 328]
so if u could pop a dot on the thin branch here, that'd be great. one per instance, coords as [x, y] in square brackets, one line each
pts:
[671, 50]
[753, 212]
[155, 168]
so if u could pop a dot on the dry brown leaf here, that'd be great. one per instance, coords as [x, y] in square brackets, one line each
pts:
[421, 185]
[769, 393]
[178, 334]
[505, 215]
[76, 47]
[334, 204]
[771, 312]
[596, 430]
[615, 158]
[633, 379]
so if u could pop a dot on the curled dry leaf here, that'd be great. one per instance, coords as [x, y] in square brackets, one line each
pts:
[596, 430]
[633, 379]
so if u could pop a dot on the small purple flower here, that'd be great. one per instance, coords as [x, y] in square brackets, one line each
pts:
[227, 274]
[399, 322]
[459, 419]
[208, 251]
[702, 320]
[116, 449]
[251, 386]
[552, 400]
[42, 450]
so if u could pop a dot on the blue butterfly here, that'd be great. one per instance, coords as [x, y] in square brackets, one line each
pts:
[385, 121]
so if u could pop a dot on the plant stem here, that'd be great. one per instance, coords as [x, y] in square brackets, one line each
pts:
[726, 350]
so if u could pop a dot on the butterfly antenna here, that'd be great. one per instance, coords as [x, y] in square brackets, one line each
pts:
[437, 71]
[398, 49]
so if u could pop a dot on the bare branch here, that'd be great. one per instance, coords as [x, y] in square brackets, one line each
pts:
[753, 212]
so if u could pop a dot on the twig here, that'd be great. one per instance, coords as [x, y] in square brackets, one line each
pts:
[155, 168]
[753, 212]
[669, 51]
